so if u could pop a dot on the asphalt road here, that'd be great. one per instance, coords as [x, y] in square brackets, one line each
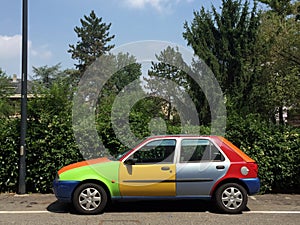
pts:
[39, 209]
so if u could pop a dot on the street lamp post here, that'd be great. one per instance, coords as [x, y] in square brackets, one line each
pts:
[22, 154]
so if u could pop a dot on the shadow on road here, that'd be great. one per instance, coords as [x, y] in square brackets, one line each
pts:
[60, 207]
[143, 206]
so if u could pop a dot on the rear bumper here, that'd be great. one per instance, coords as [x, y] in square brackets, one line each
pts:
[63, 190]
[253, 185]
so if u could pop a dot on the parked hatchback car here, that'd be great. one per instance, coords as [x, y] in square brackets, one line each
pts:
[163, 167]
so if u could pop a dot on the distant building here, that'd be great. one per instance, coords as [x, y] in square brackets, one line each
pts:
[293, 118]
[16, 85]
[290, 116]
[15, 95]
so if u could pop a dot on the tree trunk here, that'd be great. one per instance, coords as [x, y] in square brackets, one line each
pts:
[280, 111]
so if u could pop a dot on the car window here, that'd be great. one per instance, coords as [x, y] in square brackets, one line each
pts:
[158, 151]
[122, 154]
[196, 150]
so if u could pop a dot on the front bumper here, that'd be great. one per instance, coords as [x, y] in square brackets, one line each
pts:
[63, 190]
[253, 185]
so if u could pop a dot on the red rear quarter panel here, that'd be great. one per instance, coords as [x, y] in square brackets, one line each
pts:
[238, 159]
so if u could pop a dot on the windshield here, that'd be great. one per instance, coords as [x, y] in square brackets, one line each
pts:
[122, 154]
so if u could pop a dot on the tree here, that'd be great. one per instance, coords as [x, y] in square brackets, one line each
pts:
[6, 108]
[167, 69]
[127, 70]
[46, 75]
[53, 91]
[279, 37]
[4, 84]
[281, 7]
[94, 37]
[226, 42]
[124, 70]
[51, 142]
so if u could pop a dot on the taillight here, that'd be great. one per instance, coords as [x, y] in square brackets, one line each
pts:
[253, 167]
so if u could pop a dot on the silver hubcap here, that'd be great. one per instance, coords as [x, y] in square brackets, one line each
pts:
[90, 199]
[232, 198]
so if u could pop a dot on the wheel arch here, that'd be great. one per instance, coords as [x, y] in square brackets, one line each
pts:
[229, 180]
[95, 181]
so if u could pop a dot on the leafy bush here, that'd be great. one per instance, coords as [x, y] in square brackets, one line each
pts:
[50, 141]
[9, 142]
[275, 148]
[51, 145]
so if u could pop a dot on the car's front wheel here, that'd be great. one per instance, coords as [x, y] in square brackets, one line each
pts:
[231, 198]
[89, 198]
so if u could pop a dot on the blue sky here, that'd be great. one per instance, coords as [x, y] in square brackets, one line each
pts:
[51, 26]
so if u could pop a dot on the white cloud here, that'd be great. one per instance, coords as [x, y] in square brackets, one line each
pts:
[10, 46]
[158, 5]
[10, 53]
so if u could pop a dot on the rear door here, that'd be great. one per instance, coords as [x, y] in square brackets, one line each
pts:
[199, 166]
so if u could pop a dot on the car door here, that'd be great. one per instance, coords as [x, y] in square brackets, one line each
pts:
[199, 166]
[151, 171]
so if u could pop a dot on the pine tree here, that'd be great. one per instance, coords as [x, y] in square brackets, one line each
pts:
[226, 42]
[94, 37]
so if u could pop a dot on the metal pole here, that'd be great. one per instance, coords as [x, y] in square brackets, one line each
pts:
[22, 155]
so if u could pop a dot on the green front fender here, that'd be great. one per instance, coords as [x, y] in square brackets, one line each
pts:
[107, 173]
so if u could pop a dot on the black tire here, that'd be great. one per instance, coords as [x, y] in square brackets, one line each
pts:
[89, 199]
[231, 198]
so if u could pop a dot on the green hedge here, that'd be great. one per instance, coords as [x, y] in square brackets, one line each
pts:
[50, 142]
[275, 148]
[9, 141]
[51, 145]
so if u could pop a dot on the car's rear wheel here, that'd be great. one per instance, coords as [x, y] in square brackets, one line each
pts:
[231, 198]
[89, 198]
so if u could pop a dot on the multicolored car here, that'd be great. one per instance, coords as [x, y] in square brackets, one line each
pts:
[163, 167]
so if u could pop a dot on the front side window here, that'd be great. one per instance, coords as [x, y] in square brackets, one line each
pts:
[196, 150]
[158, 151]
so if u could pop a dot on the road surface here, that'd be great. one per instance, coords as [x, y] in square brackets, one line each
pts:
[36, 209]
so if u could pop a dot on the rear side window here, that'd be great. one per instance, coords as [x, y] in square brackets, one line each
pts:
[197, 150]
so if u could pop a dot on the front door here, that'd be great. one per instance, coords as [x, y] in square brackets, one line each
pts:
[151, 172]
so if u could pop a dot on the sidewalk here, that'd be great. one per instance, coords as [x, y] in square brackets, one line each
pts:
[28, 202]
[275, 202]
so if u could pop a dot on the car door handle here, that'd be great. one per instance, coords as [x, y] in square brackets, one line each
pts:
[165, 168]
[220, 167]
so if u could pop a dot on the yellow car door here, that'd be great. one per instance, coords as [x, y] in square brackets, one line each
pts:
[150, 170]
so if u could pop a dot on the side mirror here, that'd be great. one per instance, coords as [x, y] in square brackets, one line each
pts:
[130, 162]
